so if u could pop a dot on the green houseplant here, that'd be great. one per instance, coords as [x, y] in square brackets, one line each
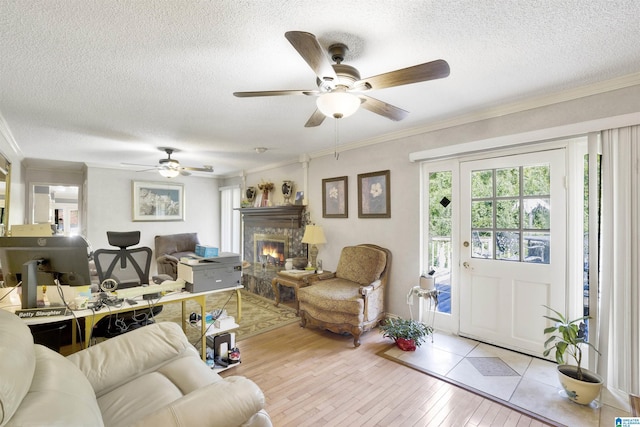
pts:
[567, 338]
[407, 333]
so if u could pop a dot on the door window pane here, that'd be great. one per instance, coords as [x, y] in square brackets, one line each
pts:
[508, 214]
[536, 180]
[536, 247]
[508, 182]
[439, 249]
[536, 214]
[482, 214]
[482, 184]
[508, 246]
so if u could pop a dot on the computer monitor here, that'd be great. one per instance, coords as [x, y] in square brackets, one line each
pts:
[38, 261]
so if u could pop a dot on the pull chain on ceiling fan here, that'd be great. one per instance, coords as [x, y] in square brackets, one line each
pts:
[341, 91]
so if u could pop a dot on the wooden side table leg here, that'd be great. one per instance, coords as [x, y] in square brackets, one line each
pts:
[276, 290]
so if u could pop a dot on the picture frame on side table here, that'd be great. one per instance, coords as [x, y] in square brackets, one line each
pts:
[157, 201]
[374, 194]
[335, 197]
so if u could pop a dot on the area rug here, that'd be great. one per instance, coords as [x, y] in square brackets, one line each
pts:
[259, 314]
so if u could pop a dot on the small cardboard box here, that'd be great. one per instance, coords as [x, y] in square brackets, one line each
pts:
[206, 251]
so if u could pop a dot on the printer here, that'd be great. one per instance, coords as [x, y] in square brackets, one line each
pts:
[208, 274]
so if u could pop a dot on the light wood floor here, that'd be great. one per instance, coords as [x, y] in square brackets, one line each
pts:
[316, 378]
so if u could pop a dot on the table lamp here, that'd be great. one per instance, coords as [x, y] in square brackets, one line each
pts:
[313, 235]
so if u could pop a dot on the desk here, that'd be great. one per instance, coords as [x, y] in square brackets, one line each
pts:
[295, 279]
[92, 318]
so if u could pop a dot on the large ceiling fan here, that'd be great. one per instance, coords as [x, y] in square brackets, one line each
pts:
[341, 91]
[170, 168]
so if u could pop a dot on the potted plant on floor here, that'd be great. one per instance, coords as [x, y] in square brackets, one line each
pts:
[407, 333]
[567, 338]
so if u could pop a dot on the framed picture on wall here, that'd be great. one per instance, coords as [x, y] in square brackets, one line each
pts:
[157, 201]
[374, 195]
[335, 197]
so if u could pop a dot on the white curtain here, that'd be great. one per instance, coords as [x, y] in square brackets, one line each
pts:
[619, 326]
[230, 219]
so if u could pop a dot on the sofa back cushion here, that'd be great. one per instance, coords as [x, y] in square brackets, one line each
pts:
[361, 264]
[59, 395]
[17, 363]
[172, 243]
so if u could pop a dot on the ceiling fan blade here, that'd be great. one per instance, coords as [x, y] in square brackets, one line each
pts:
[418, 73]
[316, 119]
[308, 47]
[206, 168]
[380, 107]
[138, 164]
[269, 93]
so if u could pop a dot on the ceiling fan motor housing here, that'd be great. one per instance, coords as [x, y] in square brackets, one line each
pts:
[347, 76]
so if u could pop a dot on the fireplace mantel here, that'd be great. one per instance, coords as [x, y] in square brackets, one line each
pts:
[287, 216]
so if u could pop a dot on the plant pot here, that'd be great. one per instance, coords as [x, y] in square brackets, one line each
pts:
[582, 392]
[405, 344]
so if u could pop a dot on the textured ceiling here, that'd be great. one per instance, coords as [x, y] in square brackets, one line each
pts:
[105, 82]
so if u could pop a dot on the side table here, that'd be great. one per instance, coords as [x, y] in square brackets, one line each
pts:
[295, 279]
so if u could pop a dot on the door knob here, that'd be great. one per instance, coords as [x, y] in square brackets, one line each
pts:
[465, 264]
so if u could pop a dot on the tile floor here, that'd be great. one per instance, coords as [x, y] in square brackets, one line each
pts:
[530, 383]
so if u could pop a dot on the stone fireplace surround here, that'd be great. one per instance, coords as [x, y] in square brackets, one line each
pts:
[278, 223]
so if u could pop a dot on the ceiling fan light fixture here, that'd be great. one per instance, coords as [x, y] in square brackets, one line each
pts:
[169, 172]
[338, 104]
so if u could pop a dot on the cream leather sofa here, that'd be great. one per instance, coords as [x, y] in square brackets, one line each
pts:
[151, 376]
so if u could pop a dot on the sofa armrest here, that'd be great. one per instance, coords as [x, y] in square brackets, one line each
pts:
[366, 290]
[117, 360]
[166, 258]
[236, 400]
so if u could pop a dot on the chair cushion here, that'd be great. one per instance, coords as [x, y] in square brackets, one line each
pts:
[333, 295]
[155, 390]
[361, 264]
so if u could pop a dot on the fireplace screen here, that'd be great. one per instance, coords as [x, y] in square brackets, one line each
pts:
[270, 248]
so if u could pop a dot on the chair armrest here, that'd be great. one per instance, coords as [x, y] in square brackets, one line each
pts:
[366, 290]
[167, 259]
[320, 276]
[235, 400]
[117, 360]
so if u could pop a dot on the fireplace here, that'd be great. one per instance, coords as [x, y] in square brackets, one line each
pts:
[272, 249]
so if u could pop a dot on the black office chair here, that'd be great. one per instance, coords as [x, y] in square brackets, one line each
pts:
[129, 267]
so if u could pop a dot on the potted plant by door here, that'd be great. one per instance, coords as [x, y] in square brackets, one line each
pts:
[567, 338]
[407, 333]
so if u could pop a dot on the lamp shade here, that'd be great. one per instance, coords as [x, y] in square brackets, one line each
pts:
[338, 104]
[169, 172]
[313, 235]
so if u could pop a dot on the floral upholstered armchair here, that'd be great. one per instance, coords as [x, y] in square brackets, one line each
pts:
[352, 299]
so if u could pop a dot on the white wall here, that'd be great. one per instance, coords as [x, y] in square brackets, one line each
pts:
[109, 207]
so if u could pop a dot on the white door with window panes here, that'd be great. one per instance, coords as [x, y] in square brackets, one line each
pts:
[513, 247]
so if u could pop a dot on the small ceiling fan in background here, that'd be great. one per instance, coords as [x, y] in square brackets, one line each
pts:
[170, 168]
[341, 91]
